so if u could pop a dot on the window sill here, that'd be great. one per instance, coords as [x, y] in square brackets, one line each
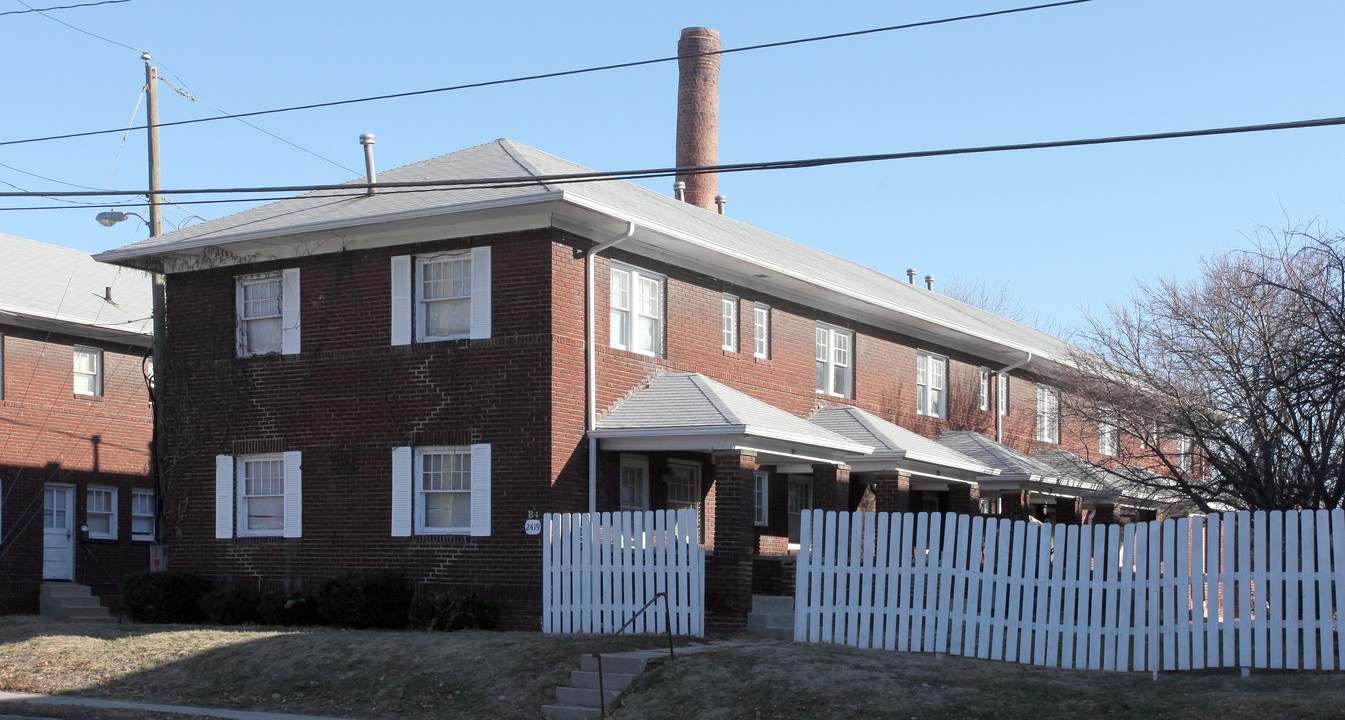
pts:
[259, 539]
[90, 398]
[461, 539]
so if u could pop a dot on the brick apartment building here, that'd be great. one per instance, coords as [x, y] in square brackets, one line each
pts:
[76, 499]
[399, 380]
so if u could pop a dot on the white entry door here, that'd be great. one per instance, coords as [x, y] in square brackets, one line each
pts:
[58, 533]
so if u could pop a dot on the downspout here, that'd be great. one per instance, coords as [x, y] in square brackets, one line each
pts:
[590, 364]
[1003, 373]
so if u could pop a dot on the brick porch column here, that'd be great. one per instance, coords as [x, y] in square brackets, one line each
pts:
[862, 498]
[1015, 504]
[1106, 515]
[831, 487]
[728, 572]
[892, 492]
[1146, 515]
[1069, 511]
[964, 499]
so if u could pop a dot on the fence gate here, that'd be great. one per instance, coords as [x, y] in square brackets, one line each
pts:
[599, 569]
[1248, 589]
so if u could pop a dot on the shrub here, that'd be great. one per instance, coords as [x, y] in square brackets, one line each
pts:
[450, 611]
[285, 608]
[365, 600]
[236, 606]
[172, 596]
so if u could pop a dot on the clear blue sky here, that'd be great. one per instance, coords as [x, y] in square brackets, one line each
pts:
[1066, 229]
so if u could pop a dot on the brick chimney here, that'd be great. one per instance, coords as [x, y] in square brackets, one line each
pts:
[698, 113]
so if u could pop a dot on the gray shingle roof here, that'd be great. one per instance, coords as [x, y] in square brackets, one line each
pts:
[506, 158]
[693, 401]
[892, 439]
[1012, 462]
[67, 286]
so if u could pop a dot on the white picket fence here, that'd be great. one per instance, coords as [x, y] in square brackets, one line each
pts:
[1250, 590]
[598, 570]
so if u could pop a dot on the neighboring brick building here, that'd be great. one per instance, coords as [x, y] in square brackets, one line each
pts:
[400, 380]
[76, 499]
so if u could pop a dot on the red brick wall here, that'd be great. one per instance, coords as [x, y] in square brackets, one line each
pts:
[48, 434]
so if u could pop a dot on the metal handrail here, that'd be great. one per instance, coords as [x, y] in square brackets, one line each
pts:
[667, 628]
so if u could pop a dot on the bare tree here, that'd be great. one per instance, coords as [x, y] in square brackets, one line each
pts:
[1228, 389]
[998, 299]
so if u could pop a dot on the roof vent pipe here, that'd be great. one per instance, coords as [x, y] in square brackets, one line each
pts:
[910, 275]
[367, 140]
[680, 191]
[929, 282]
[720, 202]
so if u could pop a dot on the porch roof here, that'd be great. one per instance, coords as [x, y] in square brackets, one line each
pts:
[896, 448]
[689, 411]
[1018, 470]
[1118, 487]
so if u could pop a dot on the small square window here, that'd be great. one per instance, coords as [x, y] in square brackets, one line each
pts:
[88, 371]
[101, 513]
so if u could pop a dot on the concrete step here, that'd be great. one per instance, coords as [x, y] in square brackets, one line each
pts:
[773, 604]
[66, 590]
[71, 602]
[624, 664]
[570, 712]
[771, 625]
[584, 697]
[610, 680]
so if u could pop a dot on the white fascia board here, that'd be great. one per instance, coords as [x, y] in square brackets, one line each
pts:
[891, 463]
[375, 230]
[1010, 349]
[75, 328]
[723, 437]
[972, 466]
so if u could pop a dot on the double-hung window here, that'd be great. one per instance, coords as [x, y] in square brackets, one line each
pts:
[88, 371]
[100, 513]
[834, 360]
[1048, 414]
[443, 296]
[761, 331]
[637, 310]
[268, 313]
[1185, 456]
[634, 482]
[142, 514]
[728, 322]
[441, 490]
[760, 498]
[983, 390]
[258, 495]
[800, 501]
[1108, 435]
[931, 380]
[684, 491]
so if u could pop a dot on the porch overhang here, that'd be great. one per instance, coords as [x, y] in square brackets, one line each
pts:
[770, 450]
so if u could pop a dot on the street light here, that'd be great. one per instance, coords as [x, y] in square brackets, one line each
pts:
[112, 217]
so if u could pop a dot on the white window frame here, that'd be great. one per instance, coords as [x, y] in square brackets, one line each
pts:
[408, 494]
[244, 497]
[1185, 454]
[835, 352]
[643, 303]
[634, 483]
[231, 495]
[799, 496]
[690, 497]
[460, 258]
[421, 502]
[143, 507]
[96, 377]
[931, 384]
[761, 331]
[728, 322]
[761, 486]
[1002, 393]
[287, 307]
[983, 390]
[408, 307]
[1048, 414]
[110, 493]
[1108, 435]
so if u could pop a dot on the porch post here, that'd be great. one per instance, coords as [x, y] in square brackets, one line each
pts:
[892, 492]
[1068, 511]
[728, 570]
[1106, 515]
[1014, 505]
[831, 487]
[964, 499]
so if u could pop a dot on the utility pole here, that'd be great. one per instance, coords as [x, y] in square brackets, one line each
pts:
[158, 452]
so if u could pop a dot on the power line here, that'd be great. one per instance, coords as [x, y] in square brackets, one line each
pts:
[357, 188]
[545, 76]
[62, 7]
[43, 13]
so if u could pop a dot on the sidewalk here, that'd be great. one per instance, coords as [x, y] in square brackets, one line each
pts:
[11, 697]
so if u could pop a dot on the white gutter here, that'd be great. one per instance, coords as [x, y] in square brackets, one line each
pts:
[1003, 373]
[591, 366]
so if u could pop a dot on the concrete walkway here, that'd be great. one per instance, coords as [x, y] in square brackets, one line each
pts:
[12, 697]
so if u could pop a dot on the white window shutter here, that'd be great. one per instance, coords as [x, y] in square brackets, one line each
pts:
[480, 292]
[224, 496]
[289, 312]
[481, 490]
[401, 300]
[294, 495]
[401, 492]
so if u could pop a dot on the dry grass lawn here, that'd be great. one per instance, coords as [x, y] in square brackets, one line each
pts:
[378, 674]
